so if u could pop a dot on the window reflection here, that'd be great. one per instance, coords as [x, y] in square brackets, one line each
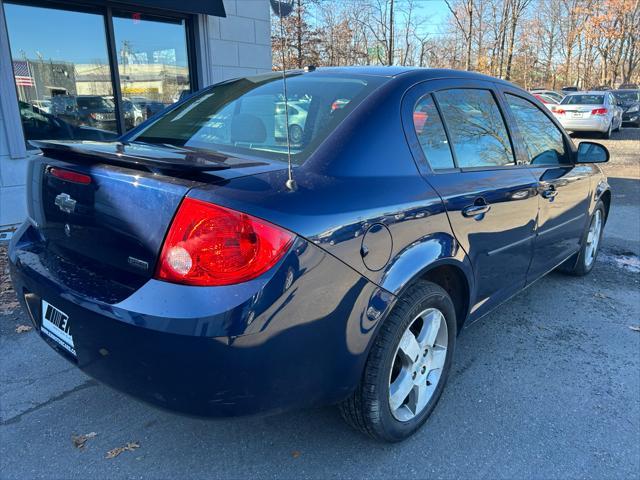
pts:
[62, 74]
[543, 140]
[477, 129]
[431, 134]
[152, 63]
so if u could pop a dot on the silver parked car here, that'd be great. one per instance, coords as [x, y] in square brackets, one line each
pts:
[593, 111]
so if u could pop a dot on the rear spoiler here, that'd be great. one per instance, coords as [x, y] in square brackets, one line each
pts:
[194, 161]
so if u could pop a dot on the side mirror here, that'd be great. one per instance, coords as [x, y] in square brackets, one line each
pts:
[592, 152]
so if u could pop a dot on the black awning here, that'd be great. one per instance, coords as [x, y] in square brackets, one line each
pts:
[207, 7]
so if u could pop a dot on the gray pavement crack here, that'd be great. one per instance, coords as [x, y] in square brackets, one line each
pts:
[62, 396]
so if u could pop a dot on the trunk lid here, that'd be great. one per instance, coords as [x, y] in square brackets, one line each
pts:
[106, 207]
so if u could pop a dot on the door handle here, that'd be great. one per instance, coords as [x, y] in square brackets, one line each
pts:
[550, 192]
[476, 209]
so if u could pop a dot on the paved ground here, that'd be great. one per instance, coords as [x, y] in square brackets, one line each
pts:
[547, 386]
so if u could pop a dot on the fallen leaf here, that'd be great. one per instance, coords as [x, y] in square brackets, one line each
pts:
[23, 328]
[130, 446]
[79, 440]
[295, 454]
[635, 328]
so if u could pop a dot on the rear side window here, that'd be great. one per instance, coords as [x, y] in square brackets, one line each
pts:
[431, 134]
[543, 140]
[476, 128]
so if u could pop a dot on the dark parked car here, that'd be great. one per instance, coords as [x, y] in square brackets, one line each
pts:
[38, 125]
[629, 100]
[181, 266]
[88, 110]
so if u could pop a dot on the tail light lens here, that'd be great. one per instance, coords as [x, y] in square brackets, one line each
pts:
[599, 111]
[70, 176]
[557, 110]
[211, 245]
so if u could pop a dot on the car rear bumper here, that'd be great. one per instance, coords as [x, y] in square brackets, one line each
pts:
[592, 124]
[265, 346]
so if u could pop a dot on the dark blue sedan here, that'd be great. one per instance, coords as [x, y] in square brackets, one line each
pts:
[185, 265]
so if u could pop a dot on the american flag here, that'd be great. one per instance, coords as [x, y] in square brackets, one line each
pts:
[22, 72]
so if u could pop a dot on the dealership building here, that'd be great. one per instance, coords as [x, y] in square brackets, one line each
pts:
[93, 69]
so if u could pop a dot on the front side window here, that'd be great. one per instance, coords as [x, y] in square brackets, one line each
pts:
[431, 134]
[62, 74]
[477, 130]
[543, 140]
[248, 116]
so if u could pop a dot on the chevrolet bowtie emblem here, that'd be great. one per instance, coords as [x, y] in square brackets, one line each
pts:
[65, 202]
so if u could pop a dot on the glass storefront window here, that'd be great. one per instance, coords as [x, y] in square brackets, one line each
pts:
[152, 63]
[62, 73]
[63, 70]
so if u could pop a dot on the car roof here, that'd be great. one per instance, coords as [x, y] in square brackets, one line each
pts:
[589, 92]
[396, 71]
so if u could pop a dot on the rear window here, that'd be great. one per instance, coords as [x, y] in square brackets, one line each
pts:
[583, 100]
[248, 116]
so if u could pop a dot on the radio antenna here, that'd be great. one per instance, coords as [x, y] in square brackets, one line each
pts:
[283, 9]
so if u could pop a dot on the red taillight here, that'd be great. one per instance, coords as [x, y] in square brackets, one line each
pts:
[559, 111]
[70, 176]
[212, 245]
[599, 111]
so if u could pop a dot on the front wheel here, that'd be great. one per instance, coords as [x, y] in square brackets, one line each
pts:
[295, 134]
[590, 246]
[407, 367]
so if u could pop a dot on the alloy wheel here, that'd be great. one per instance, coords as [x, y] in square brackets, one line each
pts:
[417, 364]
[593, 238]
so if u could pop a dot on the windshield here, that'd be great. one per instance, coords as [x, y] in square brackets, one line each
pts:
[247, 116]
[94, 102]
[583, 100]
[627, 97]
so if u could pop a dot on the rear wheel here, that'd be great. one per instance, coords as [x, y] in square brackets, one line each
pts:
[407, 367]
[607, 134]
[586, 257]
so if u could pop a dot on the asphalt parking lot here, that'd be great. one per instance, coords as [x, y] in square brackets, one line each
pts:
[547, 386]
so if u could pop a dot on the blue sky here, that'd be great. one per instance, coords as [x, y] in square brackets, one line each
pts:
[80, 37]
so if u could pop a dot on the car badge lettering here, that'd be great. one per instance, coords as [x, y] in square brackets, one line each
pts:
[136, 262]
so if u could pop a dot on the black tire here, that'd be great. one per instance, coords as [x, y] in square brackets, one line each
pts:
[607, 135]
[368, 409]
[295, 133]
[577, 265]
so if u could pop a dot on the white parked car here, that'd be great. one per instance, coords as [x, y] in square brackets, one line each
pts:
[591, 111]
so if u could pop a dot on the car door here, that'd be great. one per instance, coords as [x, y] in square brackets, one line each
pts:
[460, 135]
[563, 187]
